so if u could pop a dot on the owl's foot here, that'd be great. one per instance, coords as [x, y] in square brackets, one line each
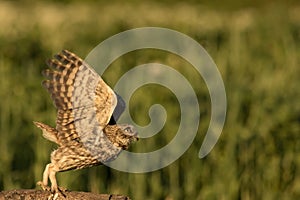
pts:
[55, 190]
[44, 187]
[53, 196]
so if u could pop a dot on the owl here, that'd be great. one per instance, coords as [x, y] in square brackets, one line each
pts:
[86, 131]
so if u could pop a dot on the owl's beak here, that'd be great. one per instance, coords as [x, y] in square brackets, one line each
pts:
[136, 136]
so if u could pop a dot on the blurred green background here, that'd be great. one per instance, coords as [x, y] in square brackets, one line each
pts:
[256, 46]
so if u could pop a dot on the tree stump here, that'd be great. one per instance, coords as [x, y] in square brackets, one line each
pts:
[44, 195]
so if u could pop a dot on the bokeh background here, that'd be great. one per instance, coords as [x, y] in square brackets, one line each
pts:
[256, 46]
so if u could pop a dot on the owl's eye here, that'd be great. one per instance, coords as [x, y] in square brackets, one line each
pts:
[127, 129]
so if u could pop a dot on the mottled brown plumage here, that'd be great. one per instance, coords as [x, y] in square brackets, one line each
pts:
[85, 132]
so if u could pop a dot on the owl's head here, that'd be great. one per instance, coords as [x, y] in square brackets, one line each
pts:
[128, 135]
[121, 135]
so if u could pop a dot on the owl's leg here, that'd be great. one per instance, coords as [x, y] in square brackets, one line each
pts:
[49, 172]
[44, 183]
[46, 175]
[52, 172]
[55, 189]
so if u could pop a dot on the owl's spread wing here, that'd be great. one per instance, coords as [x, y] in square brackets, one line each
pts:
[84, 101]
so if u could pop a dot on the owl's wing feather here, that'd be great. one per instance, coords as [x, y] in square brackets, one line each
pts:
[84, 101]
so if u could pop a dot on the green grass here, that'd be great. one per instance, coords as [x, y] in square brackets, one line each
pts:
[256, 50]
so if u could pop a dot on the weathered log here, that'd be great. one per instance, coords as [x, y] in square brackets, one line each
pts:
[23, 194]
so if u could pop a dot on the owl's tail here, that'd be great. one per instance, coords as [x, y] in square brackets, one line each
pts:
[48, 132]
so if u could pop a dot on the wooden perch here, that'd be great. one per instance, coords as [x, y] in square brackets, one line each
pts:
[44, 195]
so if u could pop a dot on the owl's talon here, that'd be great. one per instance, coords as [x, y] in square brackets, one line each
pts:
[57, 190]
[53, 196]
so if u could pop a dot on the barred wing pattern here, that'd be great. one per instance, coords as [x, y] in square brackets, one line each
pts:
[85, 105]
